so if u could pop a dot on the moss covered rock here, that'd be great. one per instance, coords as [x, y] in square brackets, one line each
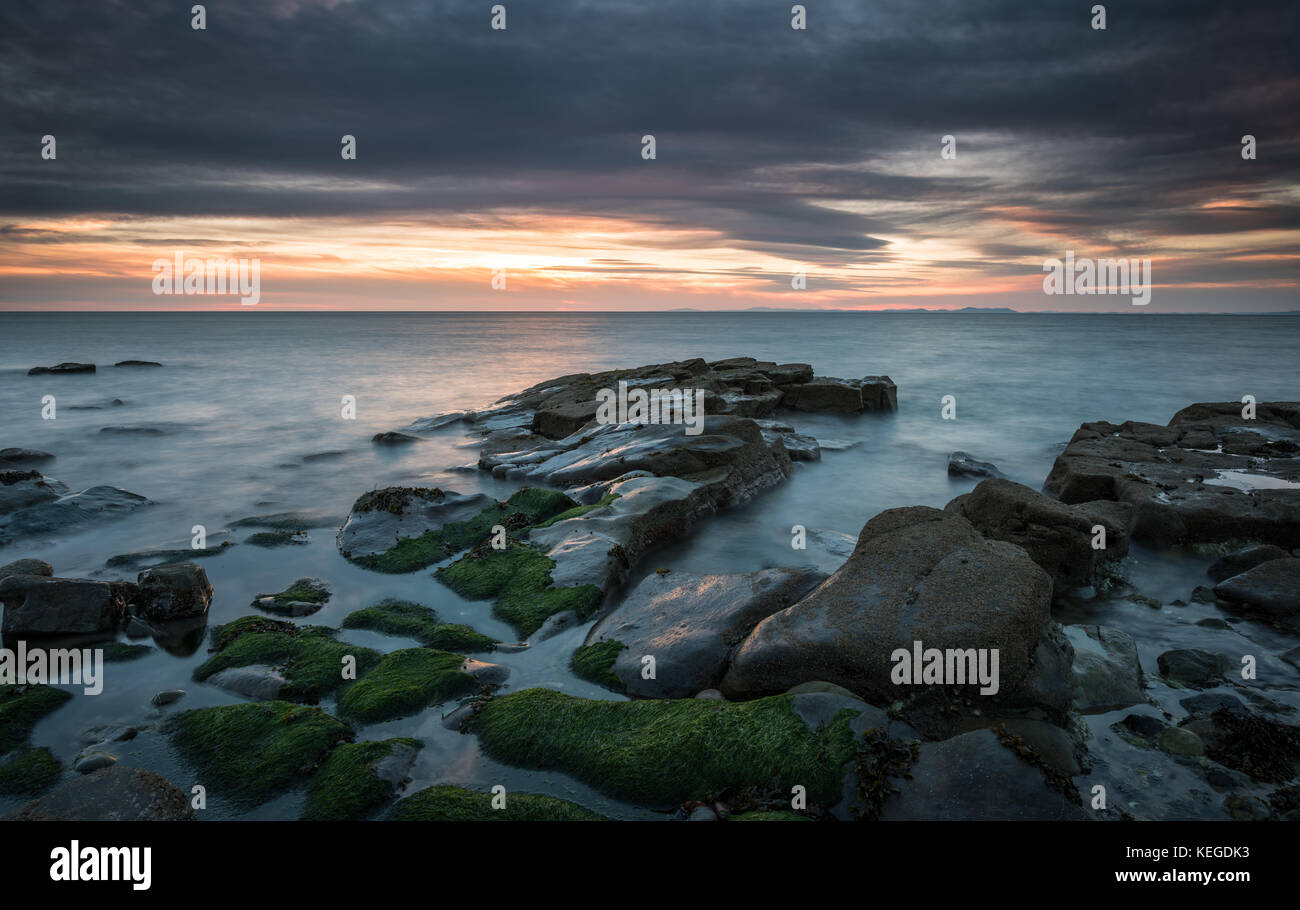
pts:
[663, 753]
[595, 663]
[250, 753]
[518, 578]
[358, 779]
[406, 682]
[303, 597]
[456, 804]
[29, 772]
[21, 707]
[526, 507]
[412, 620]
[308, 657]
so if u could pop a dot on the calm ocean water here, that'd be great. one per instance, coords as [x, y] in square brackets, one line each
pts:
[249, 408]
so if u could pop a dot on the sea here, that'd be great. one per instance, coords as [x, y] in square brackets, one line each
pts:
[248, 415]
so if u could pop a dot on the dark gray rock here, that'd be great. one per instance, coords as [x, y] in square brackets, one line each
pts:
[691, 623]
[1242, 560]
[172, 591]
[1107, 674]
[37, 605]
[917, 574]
[27, 567]
[1056, 536]
[113, 794]
[961, 464]
[19, 456]
[1271, 587]
[58, 368]
[1193, 668]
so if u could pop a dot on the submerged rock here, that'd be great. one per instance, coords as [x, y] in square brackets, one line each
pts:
[691, 623]
[137, 363]
[1193, 668]
[302, 598]
[446, 803]
[392, 437]
[43, 514]
[20, 456]
[59, 368]
[359, 779]
[113, 794]
[960, 464]
[412, 620]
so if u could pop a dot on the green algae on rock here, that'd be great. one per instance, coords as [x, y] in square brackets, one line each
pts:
[660, 754]
[521, 510]
[445, 803]
[595, 663]
[770, 815]
[404, 683]
[412, 620]
[576, 512]
[21, 707]
[306, 595]
[309, 657]
[519, 578]
[358, 779]
[251, 752]
[29, 772]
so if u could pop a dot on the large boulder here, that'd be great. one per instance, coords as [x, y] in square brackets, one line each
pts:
[1243, 560]
[37, 605]
[27, 567]
[1211, 474]
[172, 591]
[1057, 536]
[1271, 587]
[113, 794]
[691, 623]
[917, 575]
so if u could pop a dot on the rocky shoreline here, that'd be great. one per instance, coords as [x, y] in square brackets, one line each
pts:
[772, 695]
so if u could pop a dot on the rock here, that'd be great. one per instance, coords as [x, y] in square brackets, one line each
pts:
[380, 519]
[93, 761]
[1057, 536]
[172, 591]
[1242, 560]
[960, 464]
[37, 605]
[27, 567]
[113, 794]
[167, 697]
[554, 625]
[917, 575]
[710, 695]
[270, 540]
[1193, 668]
[20, 456]
[63, 368]
[392, 437]
[256, 681]
[1107, 674]
[484, 672]
[691, 624]
[1177, 741]
[1271, 587]
[67, 510]
[20, 489]
[1143, 725]
[703, 814]
[302, 598]
[1209, 475]
[975, 777]
[1292, 657]
[137, 363]
[1209, 702]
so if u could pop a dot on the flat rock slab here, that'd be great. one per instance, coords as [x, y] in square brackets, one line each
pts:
[691, 623]
[382, 518]
[1209, 475]
[1270, 587]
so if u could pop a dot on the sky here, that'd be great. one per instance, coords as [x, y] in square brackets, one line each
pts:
[777, 151]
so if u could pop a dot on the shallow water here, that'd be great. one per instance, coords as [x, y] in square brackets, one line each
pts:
[247, 403]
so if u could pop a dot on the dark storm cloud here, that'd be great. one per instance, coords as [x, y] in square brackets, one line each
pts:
[1126, 129]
